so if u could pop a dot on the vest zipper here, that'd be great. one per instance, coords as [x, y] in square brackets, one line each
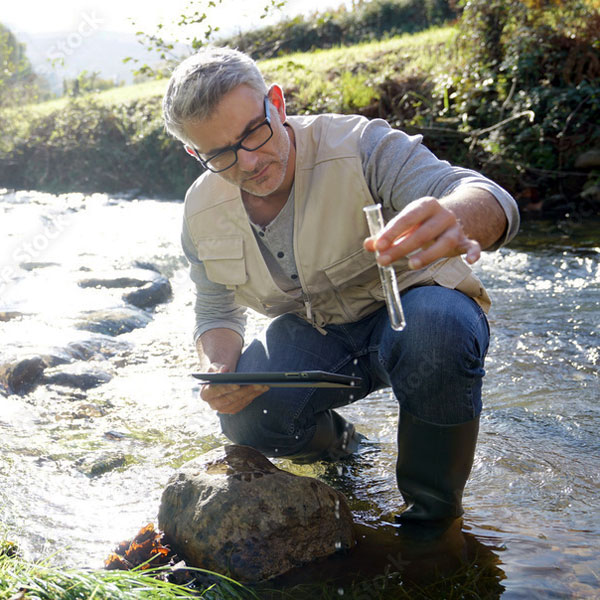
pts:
[310, 317]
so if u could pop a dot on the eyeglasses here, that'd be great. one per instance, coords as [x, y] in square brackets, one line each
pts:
[256, 138]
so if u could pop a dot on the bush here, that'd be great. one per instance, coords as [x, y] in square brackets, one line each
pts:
[529, 91]
[367, 22]
[89, 146]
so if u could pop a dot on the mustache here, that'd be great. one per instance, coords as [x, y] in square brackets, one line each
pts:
[256, 171]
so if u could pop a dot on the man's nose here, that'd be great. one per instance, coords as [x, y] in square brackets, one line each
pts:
[247, 160]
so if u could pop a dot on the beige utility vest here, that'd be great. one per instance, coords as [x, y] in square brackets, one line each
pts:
[339, 279]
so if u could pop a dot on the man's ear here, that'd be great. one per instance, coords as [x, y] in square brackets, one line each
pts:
[277, 99]
[190, 151]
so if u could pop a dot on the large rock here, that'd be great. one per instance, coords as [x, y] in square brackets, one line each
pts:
[235, 512]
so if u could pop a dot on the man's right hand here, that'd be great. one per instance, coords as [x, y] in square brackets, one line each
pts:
[229, 398]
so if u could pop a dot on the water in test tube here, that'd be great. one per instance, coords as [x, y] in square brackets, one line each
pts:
[387, 274]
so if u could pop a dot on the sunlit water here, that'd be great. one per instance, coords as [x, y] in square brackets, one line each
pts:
[532, 500]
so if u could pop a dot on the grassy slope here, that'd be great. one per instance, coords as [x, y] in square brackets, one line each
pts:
[394, 56]
[414, 51]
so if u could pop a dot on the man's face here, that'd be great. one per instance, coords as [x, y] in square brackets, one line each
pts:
[260, 172]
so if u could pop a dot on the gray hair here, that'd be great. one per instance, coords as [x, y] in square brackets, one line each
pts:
[199, 83]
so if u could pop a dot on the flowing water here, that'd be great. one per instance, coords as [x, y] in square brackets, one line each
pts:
[532, 500]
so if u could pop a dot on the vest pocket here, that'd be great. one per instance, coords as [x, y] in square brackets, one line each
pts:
[223, 259]
[455, 274]
[351, 267]
[449, 272]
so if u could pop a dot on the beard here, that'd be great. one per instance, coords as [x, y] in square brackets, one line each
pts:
[276, 163]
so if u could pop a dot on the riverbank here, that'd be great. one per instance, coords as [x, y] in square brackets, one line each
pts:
[114, 142]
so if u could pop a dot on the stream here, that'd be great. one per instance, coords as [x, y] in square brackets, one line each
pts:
[87, 451]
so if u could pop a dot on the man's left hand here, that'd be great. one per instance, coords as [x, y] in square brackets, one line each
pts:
[426, 228]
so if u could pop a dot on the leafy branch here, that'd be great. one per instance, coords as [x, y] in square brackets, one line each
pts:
[196, 17]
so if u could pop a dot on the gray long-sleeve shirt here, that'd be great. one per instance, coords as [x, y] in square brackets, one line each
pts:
[398, 169]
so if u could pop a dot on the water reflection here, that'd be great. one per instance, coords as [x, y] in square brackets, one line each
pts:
[390, 563]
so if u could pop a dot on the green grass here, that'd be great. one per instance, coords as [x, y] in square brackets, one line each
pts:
[417, 51]
[348, 79]
[42, 582]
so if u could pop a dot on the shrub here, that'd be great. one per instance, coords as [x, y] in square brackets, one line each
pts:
[89, 146]
[368, 21]
[529, 88]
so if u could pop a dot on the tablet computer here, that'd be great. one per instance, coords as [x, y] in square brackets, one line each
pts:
[283, 379]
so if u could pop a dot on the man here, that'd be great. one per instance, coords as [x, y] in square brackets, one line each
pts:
[276, 224]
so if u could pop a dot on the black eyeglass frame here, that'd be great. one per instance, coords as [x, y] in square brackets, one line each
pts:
[240, 145]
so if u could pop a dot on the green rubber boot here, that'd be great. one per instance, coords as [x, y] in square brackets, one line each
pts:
[434, 463]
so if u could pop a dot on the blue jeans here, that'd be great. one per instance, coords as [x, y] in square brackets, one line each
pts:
[434, 367]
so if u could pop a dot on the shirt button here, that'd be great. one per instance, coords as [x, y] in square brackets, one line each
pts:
[280, 255]
[261, 233]
[294, 276]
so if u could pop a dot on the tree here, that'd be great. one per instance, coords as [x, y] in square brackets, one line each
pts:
[88, 82]
[19, 84]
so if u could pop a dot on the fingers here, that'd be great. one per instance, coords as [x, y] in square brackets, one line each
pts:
[407, 221]
[230, 398]
[448, 244]
[435, 227]
[425, 231]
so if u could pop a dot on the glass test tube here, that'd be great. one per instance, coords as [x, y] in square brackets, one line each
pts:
[387, 274]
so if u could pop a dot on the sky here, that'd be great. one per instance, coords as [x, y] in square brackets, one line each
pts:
[35, 16]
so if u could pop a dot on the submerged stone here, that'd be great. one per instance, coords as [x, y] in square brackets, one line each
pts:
[150, 266]
[32, 266]
[9, 315]
[234, 512]
[77, 376]
[22, 376]
[97, 347]
[120, 279]
[114, 322]
[151, 294]
[99, 465]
